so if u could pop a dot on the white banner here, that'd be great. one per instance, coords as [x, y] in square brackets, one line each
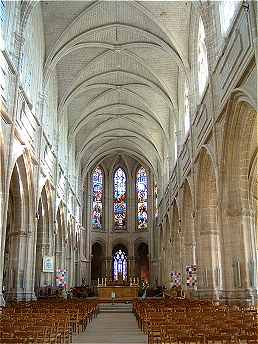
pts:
[48, 264]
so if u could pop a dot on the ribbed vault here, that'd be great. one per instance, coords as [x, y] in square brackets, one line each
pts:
[118, 66]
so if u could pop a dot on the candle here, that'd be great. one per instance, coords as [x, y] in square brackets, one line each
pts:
[105, 281]
[102, 281]
[98, 281]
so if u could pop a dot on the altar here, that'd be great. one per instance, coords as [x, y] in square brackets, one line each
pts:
[118, 292]
[118, 289]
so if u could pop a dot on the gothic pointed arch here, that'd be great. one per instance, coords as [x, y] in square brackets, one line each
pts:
[142, 198]
[239, 204]
[188, 225]
[120, 198]
[120, 262]
[202, 59]
[60, 239]
[97, 198]
[20, 217]
[208, 235]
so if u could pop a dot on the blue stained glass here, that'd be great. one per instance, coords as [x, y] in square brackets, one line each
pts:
[120, 265]
[120, 200]
[97, 195]
[142, 199]
[2, 11]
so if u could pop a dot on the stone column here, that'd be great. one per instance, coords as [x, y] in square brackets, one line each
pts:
[16, 274]
[131, 266]
[2, 244]
[239, 255]
[109, 267]
[44, 278]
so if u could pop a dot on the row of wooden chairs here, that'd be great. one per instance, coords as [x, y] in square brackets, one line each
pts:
[45, 322]
[188, 321]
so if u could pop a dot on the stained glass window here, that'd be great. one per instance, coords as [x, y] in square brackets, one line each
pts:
[2, 12]
[228, 10]
[156, 200]
[142, 199]
[120, 205]
[120, 265]
[202, 59]
[97, 198]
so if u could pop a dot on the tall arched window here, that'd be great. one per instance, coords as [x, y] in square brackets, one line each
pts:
[156, 200]
[187, 114]
[202, 59]
[2, 22]
[142, 199]
[3, 68]
[227, 10]
[120, 206]
[120, 265]
[97, 198]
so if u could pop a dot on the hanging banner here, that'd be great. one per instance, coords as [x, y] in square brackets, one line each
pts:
[191, 277]
[48, 264]
[61, 278]
[176, 278]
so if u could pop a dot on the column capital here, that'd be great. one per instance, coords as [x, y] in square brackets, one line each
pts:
[236, 212]
[18, 233]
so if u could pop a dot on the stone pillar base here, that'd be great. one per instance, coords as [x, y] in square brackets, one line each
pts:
[239, 296]
[2, 300]
[20, 296]
[211, 294]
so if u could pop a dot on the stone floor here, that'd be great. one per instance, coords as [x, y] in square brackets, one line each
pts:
[112, 327]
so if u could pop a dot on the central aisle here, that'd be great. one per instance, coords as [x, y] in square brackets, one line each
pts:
[112, 328]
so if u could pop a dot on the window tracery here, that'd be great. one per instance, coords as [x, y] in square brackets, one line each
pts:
[202, 59]
[120, 265]
[97, 199]
[120, 200]
[142, 199]
[156, 200]
[227, 11]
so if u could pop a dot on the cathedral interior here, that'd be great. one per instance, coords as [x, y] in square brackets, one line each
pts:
[128, 151]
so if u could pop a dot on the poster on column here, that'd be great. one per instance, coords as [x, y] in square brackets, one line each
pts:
[48, 264]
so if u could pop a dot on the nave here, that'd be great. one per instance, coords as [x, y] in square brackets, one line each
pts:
[167, 320]
[112, 327]
[128, 170]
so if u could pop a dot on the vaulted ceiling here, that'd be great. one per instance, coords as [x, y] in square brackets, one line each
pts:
[118, 64]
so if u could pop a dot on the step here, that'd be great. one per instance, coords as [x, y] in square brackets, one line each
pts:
[115, 308]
